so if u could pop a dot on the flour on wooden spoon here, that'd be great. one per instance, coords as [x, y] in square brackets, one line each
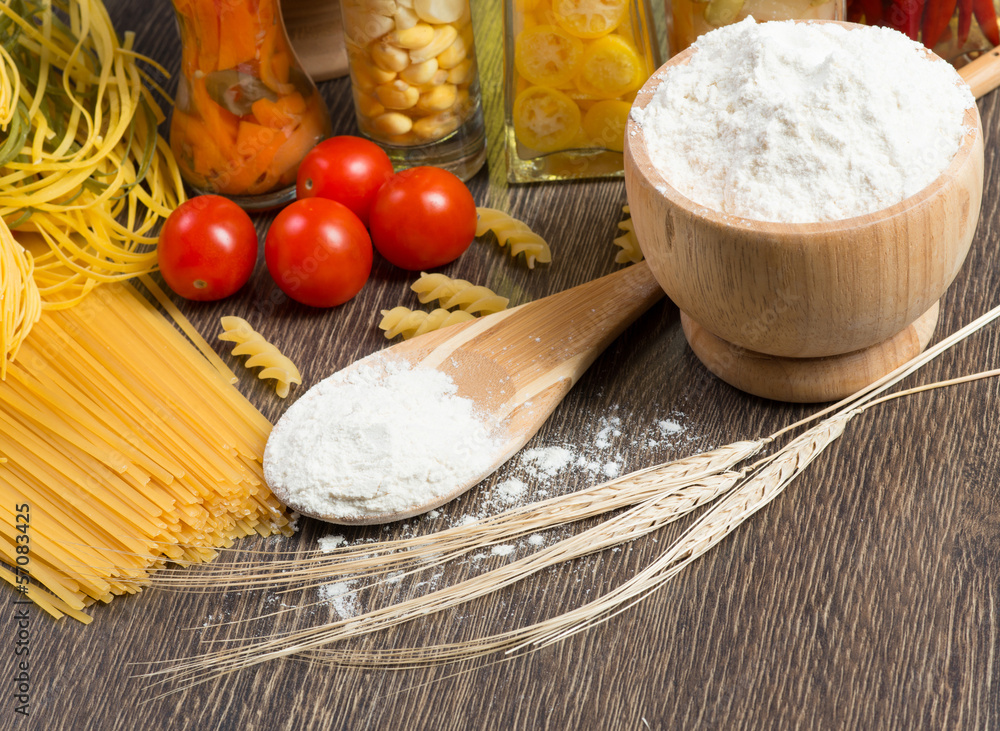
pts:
[381, 438]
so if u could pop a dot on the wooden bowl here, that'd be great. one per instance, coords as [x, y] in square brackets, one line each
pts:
[763, 301]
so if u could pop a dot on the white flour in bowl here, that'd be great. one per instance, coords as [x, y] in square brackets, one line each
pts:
[380, 438]
[796, 122]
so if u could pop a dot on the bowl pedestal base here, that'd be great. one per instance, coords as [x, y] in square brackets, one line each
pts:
[807, 380]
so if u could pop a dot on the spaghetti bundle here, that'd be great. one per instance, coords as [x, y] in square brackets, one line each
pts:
[128, 448]
[81, 163]
[19, 301]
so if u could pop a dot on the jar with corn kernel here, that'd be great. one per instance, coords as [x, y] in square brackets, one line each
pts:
[572, 69]
[415, 81]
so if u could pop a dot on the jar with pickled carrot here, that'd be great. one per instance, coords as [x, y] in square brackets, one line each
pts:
[415, 81]
[245, 112]
[688, 19]
[572, 70]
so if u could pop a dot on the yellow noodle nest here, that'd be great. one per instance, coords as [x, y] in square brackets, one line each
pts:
[81, 163]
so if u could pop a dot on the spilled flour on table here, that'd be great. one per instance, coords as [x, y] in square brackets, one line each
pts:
[341, 597]
[547, 469]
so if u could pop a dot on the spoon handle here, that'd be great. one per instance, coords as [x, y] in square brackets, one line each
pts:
[560, 336]
[983, 74]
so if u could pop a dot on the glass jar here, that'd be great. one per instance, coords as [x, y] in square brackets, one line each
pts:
[956, 31]
[245, 112]
[687, 19]
[571, 71]
[415, 81]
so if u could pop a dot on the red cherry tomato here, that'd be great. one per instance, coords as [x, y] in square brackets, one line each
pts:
[207, 248]
[346, 169]
[318, 252]
[423, 218]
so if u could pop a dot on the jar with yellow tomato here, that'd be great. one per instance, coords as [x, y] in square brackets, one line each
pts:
[572, 70]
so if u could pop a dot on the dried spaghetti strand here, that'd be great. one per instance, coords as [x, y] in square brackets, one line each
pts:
[20, 303]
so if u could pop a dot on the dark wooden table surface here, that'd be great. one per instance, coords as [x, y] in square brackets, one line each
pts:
[867, 596]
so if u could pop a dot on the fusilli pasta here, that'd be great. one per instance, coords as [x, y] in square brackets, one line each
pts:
[460, 293]
[262, 353]
[516, 234]
[410, 323]
[630, 251]
[20, 301]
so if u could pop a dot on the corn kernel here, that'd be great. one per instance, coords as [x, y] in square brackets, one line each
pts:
[444, 36]
[368, 106]
[438, 99]
[419, 73]
[405, 19]
[435, 126]
[418, 36]
[392, 123]
[461, 74]
[389, 57]
[453, 55]
[397, 95]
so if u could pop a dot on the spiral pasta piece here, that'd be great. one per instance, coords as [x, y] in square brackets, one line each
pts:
[516, 234]
[451, 293]
[410, 323]
[630, 251]
[276, 366]
[20, 302]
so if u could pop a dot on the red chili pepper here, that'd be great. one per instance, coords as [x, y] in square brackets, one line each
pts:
[986, 16]
[873, 11]
[905, 16]
[964, 21]
[936, 19]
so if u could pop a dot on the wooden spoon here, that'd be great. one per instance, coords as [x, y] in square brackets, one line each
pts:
[517, 365]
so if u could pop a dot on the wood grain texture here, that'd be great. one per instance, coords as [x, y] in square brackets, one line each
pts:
[809, 380]
[865, 597]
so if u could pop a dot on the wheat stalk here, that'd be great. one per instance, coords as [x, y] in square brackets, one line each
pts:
[650, 515]
[378, 559]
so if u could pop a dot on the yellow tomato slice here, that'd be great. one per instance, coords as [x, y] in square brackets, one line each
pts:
[611, 67]
[604, 124]
[546, 120]
[547, 55]
[589, 18]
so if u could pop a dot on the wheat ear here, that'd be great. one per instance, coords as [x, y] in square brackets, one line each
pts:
[378, 559]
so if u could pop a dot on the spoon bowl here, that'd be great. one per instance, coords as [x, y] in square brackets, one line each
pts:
[515, 366]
